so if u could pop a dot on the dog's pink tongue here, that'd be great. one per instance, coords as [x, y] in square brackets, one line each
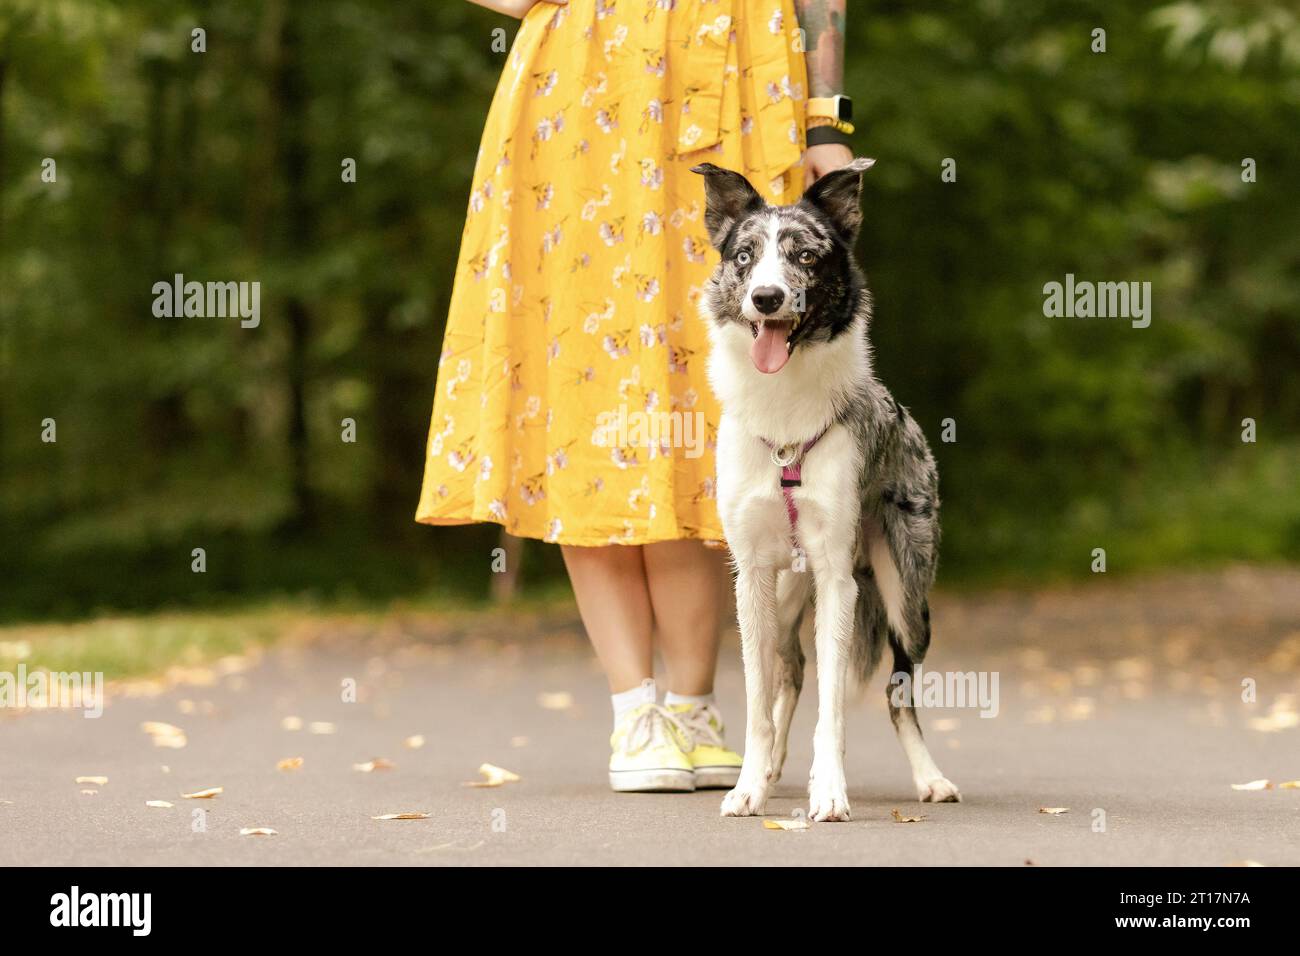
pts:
[769, 352]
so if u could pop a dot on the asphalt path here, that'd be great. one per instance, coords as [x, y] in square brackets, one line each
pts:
[1119, 701]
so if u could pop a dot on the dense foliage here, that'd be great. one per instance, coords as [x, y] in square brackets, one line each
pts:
[1071, 434]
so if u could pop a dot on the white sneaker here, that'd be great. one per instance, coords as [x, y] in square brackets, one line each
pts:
[716, 766]
[650, 752]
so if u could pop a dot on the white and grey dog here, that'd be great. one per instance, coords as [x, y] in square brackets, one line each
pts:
[820, 471]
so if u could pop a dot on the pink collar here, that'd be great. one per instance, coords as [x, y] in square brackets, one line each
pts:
[790, 458]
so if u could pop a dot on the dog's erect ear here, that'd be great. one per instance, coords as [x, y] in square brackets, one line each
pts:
[839, 195]
[727, 196]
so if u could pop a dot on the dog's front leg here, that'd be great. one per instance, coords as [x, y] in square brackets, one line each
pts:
[756, 612]
[836, 593]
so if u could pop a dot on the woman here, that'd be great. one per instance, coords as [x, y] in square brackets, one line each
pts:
[571, 403]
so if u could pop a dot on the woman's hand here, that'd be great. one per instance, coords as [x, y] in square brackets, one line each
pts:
[515, 8]
[822, 159]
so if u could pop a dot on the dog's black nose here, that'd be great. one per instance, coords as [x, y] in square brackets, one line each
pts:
[767, 298]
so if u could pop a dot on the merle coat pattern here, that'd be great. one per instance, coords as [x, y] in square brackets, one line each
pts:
[789, 311]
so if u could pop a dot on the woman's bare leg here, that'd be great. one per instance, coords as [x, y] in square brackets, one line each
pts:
[685, 584]
[610, 585]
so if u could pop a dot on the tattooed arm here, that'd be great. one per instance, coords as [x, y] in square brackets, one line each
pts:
[822, 22]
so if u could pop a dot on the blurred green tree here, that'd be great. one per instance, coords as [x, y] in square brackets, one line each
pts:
[229, 164]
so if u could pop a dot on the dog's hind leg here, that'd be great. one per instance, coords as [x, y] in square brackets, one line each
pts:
[901, 552]
[756, 612]
[908, 621]
[931, 785]
[791, 600]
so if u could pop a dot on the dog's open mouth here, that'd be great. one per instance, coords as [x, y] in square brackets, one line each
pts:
[771, 348]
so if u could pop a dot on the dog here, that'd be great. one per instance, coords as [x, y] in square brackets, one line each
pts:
[819, 469]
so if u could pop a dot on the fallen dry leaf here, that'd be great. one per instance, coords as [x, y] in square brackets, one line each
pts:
[1081, 708]
[233, 664]
[785, 824]
[142, 688]
[158, 804]
[1133, 668]
[257, 831]
[164, 735]
[289, 763]
[1289, 785]
[1253, 785]
[1133, 690]
[321, 727]
[207, 794]
[370, 766]
[556, 700]
[198, 676]
[1041, 715]
[414, 742]
[409, 815]
[1275, 721]
[97, 781]
[899, 818]
[1054, 811]
[450, 846]
[291, 723]
[156, 728]
[493, 776]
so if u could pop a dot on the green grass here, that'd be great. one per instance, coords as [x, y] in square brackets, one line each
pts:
[1185, 513]
[135, 646]
[141, 645]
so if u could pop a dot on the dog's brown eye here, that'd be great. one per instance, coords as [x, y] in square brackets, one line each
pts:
[742, 258]
[806, 257]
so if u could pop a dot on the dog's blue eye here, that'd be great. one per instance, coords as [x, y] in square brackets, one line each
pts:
[742, 258]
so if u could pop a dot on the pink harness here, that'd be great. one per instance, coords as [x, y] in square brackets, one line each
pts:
[791, 462]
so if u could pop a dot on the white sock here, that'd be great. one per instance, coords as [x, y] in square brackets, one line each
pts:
[695, 700]
[634, 698]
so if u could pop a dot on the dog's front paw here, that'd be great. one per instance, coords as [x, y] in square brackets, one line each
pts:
[827, 804]
[744, 801]
[938, 790]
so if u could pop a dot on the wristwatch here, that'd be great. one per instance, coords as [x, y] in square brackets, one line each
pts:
[837, 107]
[834, 115]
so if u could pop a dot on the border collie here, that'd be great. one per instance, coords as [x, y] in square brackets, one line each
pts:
[827, 489]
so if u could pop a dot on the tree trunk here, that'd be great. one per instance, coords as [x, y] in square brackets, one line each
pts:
[397, 439]
[291, 92]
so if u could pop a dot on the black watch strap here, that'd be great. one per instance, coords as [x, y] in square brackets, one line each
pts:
[817, 135]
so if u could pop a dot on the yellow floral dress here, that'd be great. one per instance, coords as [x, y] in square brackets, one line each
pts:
[572, 403]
